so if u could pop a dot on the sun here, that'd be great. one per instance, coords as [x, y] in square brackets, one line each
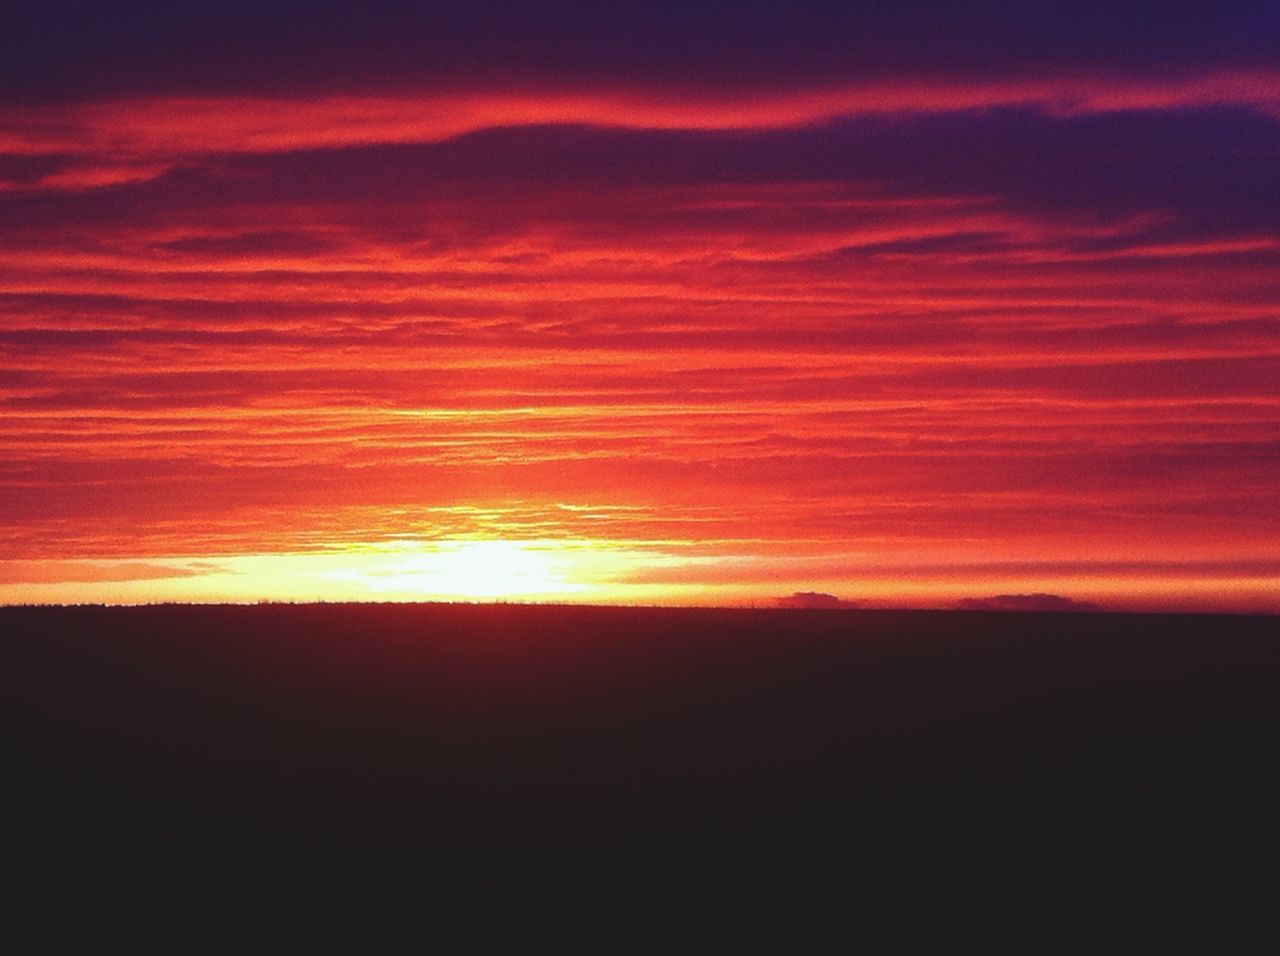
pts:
[495, 568]
[483, 569]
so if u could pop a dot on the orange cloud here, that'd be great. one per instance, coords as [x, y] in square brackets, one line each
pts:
[234, 330]
[172, 127]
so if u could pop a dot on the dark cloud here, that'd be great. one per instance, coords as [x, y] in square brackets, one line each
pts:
[28, 170]
[251, 245]
[814, 599]
[1027, 602]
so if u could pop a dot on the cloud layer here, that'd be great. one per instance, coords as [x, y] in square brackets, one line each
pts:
[924, 311]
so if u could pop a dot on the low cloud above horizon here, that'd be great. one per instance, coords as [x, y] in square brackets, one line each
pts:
[686, 306]
[814, 599]
[1027, 602]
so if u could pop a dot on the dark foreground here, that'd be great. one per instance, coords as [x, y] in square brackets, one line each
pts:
[506, 759]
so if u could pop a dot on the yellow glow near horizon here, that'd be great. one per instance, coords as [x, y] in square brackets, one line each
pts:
[581, 570]
[477, 569]
[467, 569]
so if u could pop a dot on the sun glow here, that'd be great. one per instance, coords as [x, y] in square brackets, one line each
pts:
[479, 569]
[585, 570]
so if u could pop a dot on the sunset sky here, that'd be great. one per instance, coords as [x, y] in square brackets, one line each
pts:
[680, 303]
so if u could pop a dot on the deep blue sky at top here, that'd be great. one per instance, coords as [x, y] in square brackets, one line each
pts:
[60, 50]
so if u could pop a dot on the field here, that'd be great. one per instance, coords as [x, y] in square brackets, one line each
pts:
[482, 758]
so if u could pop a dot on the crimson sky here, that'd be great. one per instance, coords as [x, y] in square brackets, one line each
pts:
[691, 302]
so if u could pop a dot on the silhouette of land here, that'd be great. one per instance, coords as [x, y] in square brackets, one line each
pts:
[504, 757]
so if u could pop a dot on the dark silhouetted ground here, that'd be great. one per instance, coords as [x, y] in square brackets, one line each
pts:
[508, 758]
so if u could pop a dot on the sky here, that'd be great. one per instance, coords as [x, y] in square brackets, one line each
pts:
[689, 303]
